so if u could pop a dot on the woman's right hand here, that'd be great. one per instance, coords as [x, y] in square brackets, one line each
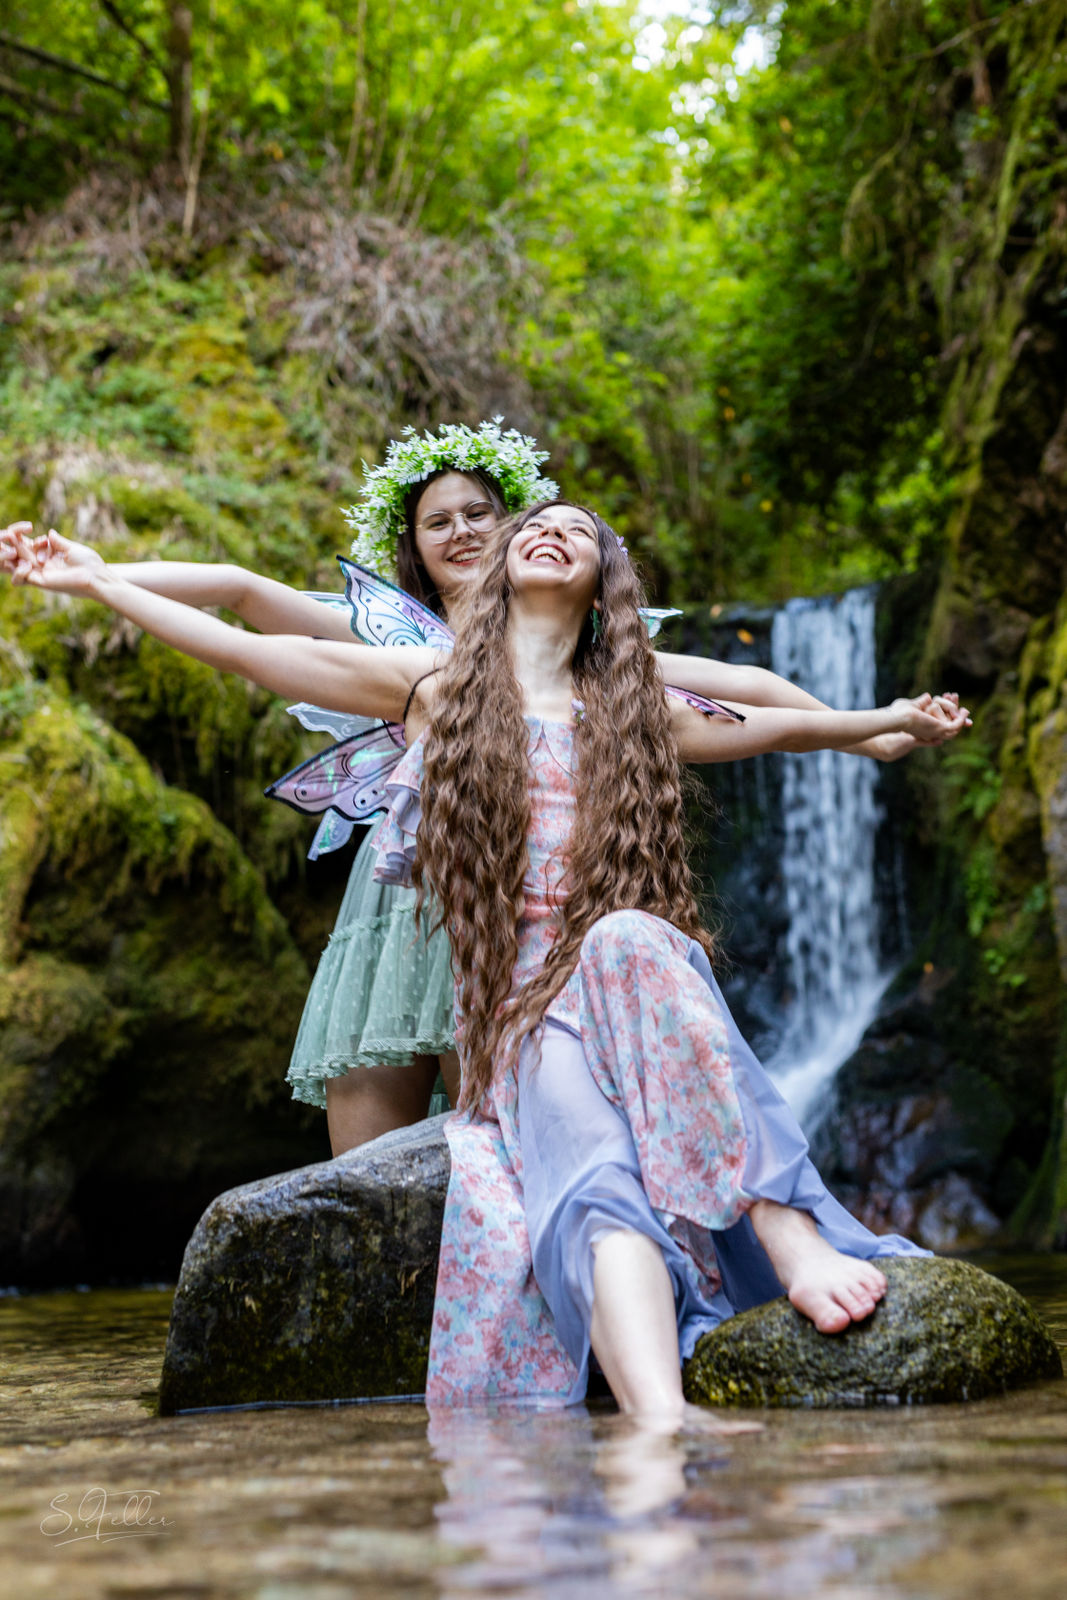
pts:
[50, 561]
[52, 546]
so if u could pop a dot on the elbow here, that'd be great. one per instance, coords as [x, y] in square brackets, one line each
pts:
[236, 588]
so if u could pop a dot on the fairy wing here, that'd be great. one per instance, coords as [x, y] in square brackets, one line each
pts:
[332, 832]
[384, 614]
[348, 778]
[346, 783]
[656, 616]
[336, 602]
[710, 708]
[338, 724]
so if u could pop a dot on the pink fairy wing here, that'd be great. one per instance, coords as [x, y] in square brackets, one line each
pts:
[710, 708]
[384, 614]
[348, 778]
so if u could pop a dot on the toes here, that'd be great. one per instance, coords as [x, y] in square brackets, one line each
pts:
[822, 1309]
[857, 1299]
[833, 1317]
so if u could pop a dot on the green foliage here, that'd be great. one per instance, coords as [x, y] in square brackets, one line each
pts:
[731, 298]
[973, 781]
[792, 325]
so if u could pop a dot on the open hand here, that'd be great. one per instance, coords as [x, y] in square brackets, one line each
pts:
[956, 717]
[16, 550]
[929, 720]
[49, 561]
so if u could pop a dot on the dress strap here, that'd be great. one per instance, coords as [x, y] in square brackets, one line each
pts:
[411, 691]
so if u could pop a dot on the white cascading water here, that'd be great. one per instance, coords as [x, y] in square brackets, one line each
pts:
[830, 814]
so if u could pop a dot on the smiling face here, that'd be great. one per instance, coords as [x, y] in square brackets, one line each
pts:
[557, 549]
[453, 517]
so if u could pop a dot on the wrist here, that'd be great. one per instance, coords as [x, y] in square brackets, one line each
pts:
[103, 581]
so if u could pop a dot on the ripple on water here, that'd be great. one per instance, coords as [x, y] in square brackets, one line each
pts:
[950, 1503]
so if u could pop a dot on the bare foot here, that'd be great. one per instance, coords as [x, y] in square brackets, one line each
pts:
[698, 1419]
[830, 1288]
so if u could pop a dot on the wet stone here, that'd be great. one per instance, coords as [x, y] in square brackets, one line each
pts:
[946, 1331]
[317, 1284]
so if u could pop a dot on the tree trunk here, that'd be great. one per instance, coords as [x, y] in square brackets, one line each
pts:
[180, 83]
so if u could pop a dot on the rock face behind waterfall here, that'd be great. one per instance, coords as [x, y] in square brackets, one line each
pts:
[946, 1331]
[314, 1285]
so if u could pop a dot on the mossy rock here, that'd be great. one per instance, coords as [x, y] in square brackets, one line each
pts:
[314, 1285]
[946, 1331]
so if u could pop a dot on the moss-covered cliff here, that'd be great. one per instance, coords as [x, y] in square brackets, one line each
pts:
[212, 400]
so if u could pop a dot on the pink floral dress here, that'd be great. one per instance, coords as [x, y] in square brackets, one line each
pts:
[655, 1043]
[639, 1106]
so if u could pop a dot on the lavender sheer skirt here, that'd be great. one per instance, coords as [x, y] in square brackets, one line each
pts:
[581, 1179]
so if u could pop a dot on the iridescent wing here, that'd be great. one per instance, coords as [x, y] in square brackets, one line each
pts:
[332, 832]
[384, 614]
[336, 602]
[348, 778]
[710, 708]
[656, 616]
[339, 724]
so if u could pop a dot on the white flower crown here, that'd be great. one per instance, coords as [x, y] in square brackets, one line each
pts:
[511, 459]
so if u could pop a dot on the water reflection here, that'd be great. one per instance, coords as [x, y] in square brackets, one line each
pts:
[552, 1499]
[947, 1503]
[572, 1503]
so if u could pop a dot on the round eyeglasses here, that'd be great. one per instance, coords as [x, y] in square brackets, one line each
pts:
[479, 516]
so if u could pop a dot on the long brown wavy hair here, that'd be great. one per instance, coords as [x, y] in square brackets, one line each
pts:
[626, 850]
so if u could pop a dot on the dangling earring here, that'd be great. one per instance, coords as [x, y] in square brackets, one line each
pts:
[597, 625]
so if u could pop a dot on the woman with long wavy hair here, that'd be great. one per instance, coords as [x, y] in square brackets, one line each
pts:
[378, 1021]
[623, 1174]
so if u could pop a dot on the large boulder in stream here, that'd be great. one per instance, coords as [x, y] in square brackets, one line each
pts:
[316, 1284]
[945, 1331]
[319, 1285]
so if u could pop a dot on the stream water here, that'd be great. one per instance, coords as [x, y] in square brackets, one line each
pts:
[944, 1503]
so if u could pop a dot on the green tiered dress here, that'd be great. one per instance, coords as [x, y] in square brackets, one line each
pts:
[382, 993]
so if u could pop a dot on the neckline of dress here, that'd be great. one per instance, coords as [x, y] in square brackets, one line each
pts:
[547, 722]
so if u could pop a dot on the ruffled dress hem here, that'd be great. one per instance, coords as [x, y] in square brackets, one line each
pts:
[383, 992]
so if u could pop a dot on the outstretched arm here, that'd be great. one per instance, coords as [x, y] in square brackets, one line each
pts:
[766, 728]
[270, 606]
[756, 686]
[372, 683]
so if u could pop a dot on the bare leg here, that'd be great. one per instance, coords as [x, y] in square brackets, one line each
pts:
[830, 1288]
[369, 1101]
[449, 1068]
[634, 1335]
[634, 1331]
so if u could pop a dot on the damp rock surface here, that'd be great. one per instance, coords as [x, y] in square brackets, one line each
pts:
[946, 1331]
[317, 1284]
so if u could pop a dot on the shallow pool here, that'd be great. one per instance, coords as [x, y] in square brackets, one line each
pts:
[100, 1497]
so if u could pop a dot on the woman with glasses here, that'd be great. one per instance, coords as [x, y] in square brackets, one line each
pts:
[378, 1023]
[612, 1130]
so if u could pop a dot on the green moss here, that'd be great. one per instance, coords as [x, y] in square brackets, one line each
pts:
[945, 1332]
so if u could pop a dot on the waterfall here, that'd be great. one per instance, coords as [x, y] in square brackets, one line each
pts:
[836, 975]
